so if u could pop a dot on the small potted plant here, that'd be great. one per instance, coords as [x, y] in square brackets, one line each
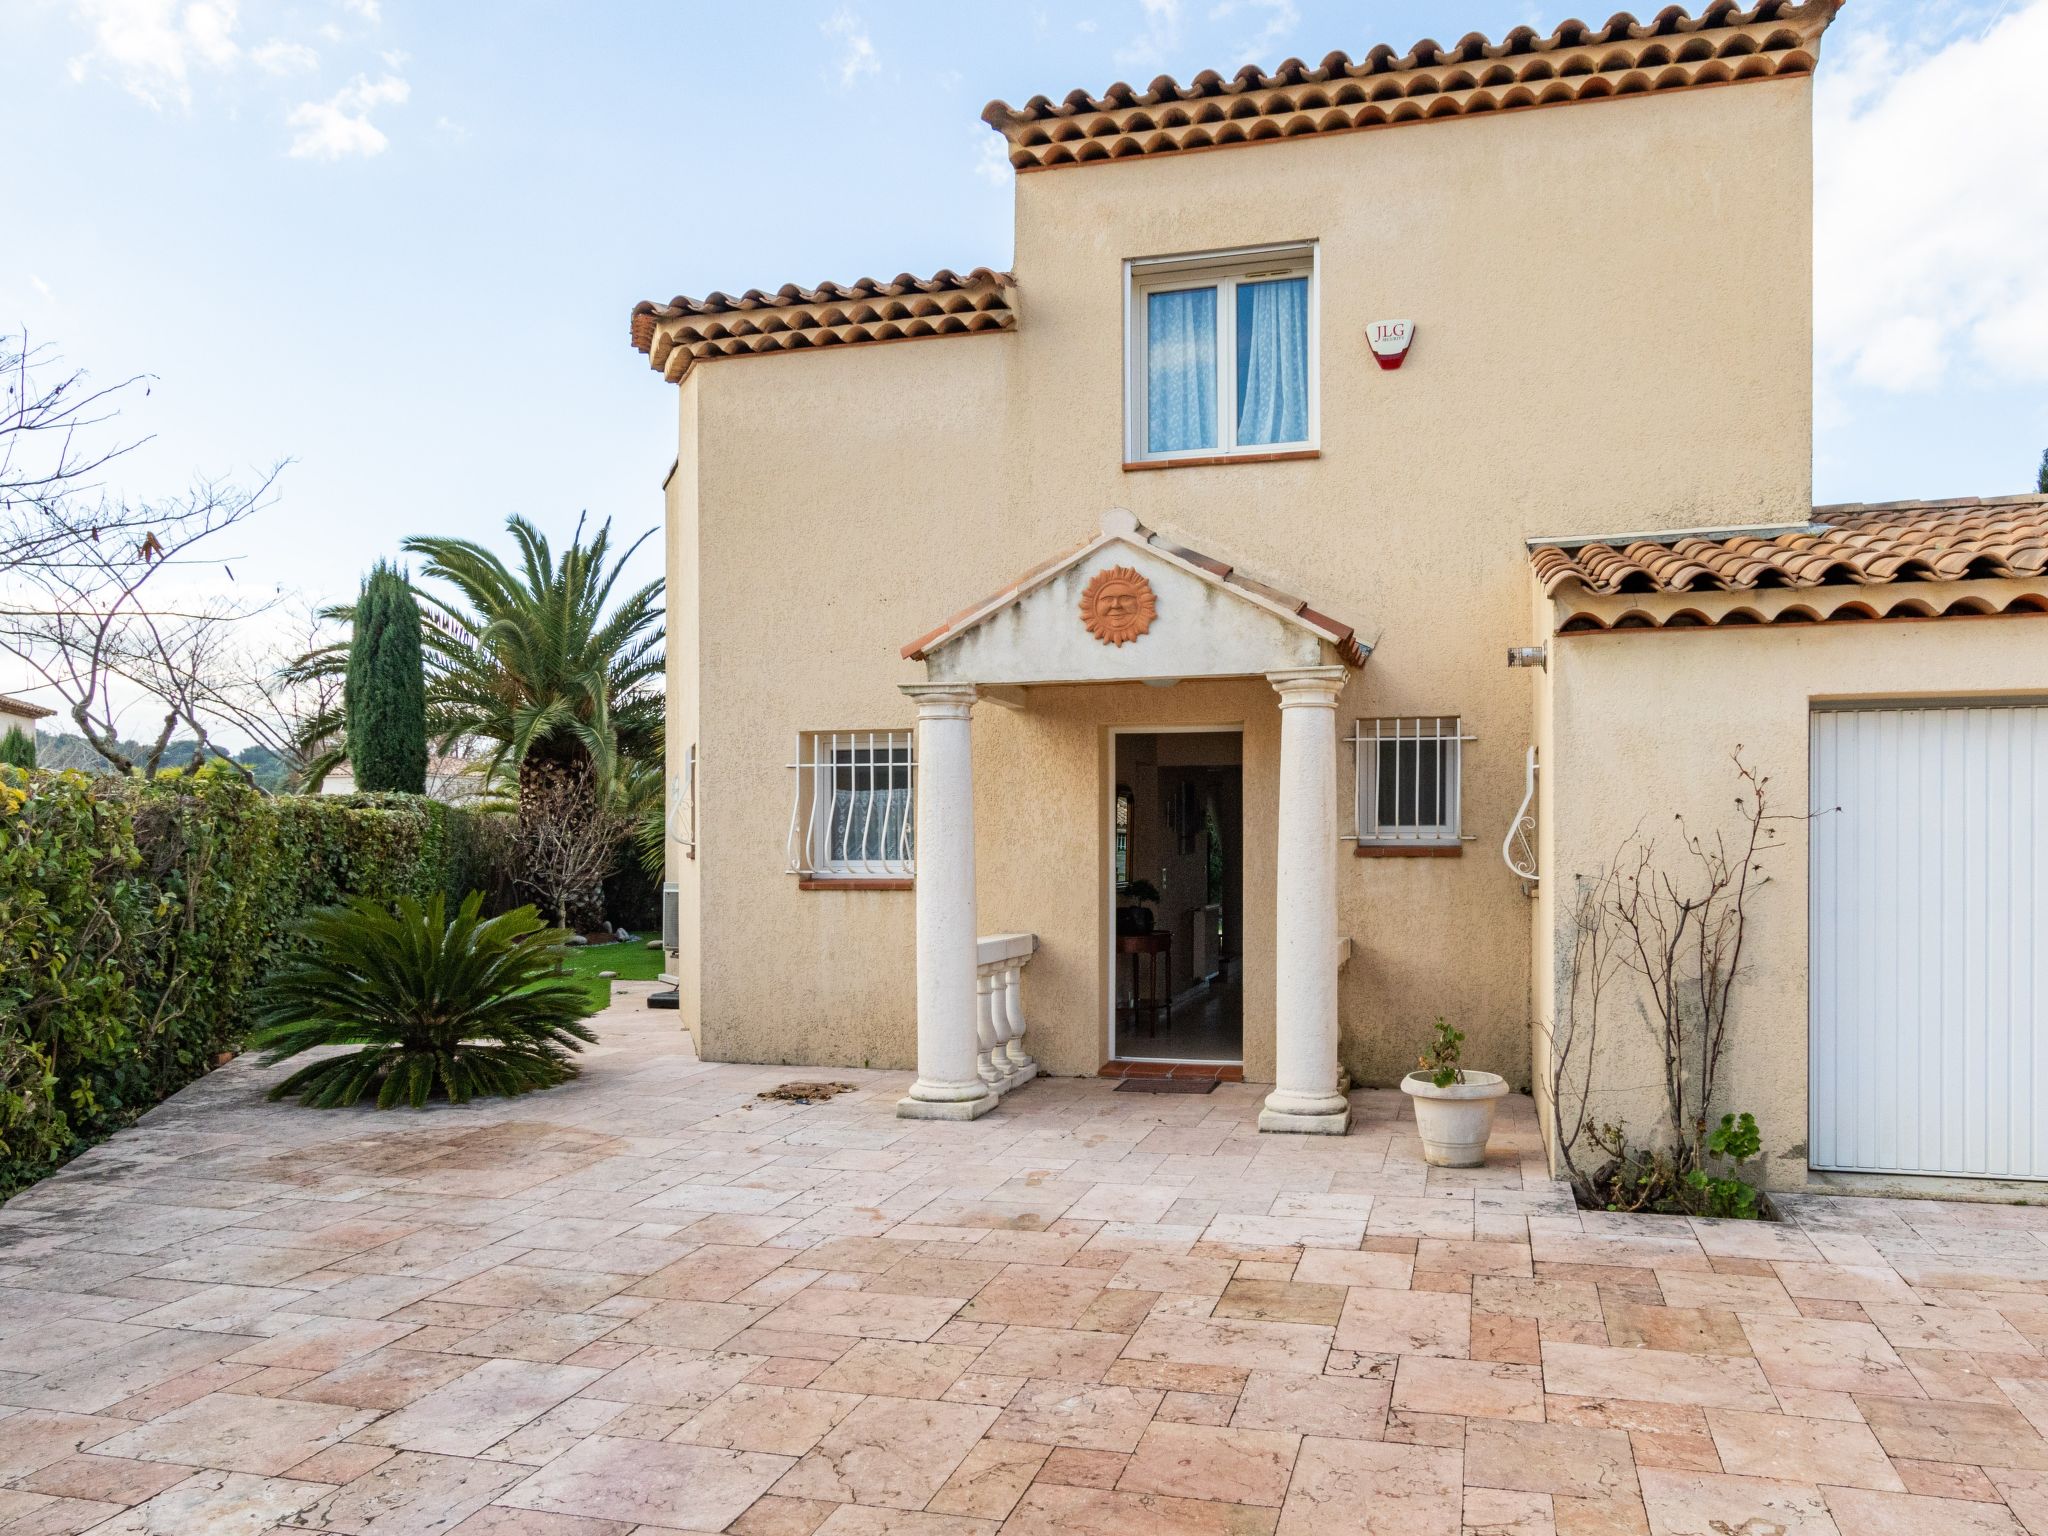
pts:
[1453, 1107]
[1137, 916]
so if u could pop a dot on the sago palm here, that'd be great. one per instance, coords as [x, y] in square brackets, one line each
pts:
[459, 1006]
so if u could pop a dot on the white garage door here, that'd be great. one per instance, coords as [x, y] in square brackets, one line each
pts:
[1929, 1002]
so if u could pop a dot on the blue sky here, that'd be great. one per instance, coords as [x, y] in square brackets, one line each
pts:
[397, 242]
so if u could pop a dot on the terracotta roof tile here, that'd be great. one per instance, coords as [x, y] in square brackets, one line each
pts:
[13, 706]
[677, 334]
[1848, 545]
[1671, 50]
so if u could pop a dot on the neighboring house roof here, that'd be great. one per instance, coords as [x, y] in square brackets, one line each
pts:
[10, 705]
[1671, 50]
[1120, 527]
[1854, 544]
[676, 334]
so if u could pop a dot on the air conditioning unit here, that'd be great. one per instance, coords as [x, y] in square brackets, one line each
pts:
[671, 919]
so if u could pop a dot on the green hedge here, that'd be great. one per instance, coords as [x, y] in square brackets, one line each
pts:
[134, 919]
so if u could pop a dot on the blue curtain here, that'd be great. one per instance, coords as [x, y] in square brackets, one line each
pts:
[1180, 370]
[1272, 361]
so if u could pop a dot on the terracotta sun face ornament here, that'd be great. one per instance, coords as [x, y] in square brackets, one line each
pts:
[1118, 605]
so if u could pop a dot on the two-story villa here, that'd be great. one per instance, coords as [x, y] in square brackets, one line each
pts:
[1377, 488]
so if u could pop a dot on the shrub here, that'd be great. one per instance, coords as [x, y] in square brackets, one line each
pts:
[136, 918]
[462, 1006]
[1441, 1060]
[18, 748]
[384, 693]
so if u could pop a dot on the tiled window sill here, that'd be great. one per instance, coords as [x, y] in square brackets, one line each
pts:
[1410, 850]
[1132, 466]
[856, 885]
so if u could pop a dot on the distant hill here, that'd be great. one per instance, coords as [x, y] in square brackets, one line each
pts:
[66, 749]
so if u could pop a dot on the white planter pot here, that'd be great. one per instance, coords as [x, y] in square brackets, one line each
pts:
[1454, 1121]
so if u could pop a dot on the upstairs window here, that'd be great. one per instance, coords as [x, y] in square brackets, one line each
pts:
[1222, 355]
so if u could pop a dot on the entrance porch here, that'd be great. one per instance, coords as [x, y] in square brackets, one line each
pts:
[1133, 607]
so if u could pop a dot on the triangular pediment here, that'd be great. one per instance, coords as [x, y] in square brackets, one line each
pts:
[1132, 606]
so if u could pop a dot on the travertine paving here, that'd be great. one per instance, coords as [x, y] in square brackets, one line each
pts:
[647, 1302]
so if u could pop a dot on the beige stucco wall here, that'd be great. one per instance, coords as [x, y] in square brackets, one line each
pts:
[1597, 350]
[1645, 726]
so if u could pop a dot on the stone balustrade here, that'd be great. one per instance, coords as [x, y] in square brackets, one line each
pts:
[1000, 1057]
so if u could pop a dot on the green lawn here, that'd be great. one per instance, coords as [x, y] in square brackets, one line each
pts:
[633, 961]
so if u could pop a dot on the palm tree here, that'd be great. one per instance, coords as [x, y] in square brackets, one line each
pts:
[532, 663]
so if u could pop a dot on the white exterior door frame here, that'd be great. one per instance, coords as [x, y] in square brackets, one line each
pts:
[1107, 795]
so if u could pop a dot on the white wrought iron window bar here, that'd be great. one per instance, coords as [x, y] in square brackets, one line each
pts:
[852, 814]
[1408, 780]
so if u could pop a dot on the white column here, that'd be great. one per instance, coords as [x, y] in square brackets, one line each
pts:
[1306, 1095]
[948, 1086]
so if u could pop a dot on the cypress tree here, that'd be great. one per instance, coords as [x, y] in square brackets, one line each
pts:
[18, 747]
[384, 695]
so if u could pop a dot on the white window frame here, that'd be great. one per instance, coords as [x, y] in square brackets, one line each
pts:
[682, 805]
[1221, 270]
[1367, 736]
[818, 762]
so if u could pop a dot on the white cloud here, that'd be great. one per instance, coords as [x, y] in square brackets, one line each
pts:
[857, 55]
[1930, 223]
[152, 46]
[992, 164]
[40, 287]
[371, 11]
[1279, 23]
[1160, 34]
[340, 126]
[278, 57]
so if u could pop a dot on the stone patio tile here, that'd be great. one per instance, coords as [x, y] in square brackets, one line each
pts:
[475, 1411]
[1090, 1418]
[340, 1463]
[652, 1482]
[105, 1479]
[546, 1337]
[856, 1314]
[1472, 1258]
[1819, 1354]
[1381, 1271]
[218, 1504]
[859, 1520]
[548, 1290]
[1059, 1354]
[1497, 1512]
[1141, 1203]
[896, 1452]
[52, 1342]
[1682, 1330]
[1370, 1488]
[1299, 1347]
[1281, 1301]
[1976, 1434]
[771, 1515]
[1753, 1240]
[715, 1272]
[1076, 1468]
[892, 1368]
[1860, 1512]
[384, 1379]
[688, 1324]
[1406, 1322]
[1333, 1407]
[1918, 1327]
[1655, 1376]
[1035, 1295]
[238, 1434]
[1695, 1503]
[322, 1343]
[1235, 1466]
[1469, 1388]
[990, 1481]
[221, 1309]
[1844, 1282]
[1565, 1459]
[35, 1438]
[415, 1495]
[1248, 1231]
[100, 1381]
[926, 1275]
[1145, 1270]
[1692, 1288]
[1053, 1509]
[41, 1514]
[1800, 1450]
[785, 1421]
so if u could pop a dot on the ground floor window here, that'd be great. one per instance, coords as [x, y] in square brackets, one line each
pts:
[1409, 775]
[852, 815]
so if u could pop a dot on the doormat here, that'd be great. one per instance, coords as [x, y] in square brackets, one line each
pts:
[1166, 1085]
